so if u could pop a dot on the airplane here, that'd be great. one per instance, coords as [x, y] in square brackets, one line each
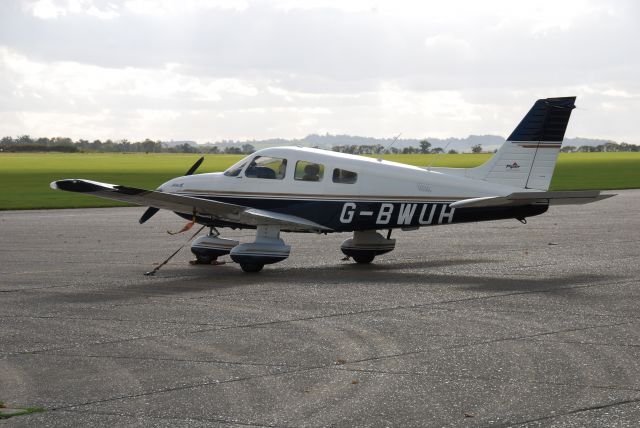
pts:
[296, 189]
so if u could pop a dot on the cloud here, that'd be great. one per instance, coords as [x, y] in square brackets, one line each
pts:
[296, 67]
[54, 9]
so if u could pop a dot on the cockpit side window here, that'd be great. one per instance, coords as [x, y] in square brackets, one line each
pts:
[267, 167]
[234, 170]
[309, 171]
[343, 176]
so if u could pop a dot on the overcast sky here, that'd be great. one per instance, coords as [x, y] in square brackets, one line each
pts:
[208, 70]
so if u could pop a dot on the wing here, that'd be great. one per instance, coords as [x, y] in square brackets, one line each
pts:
[189, 205]
[528, 198]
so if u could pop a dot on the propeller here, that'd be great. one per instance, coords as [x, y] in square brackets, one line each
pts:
[151, 211]
[195, 166]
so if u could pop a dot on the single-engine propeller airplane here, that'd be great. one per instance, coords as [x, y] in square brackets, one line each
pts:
[296, 189]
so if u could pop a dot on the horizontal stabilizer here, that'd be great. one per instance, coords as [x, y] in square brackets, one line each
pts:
[189, 205]
[530, 198]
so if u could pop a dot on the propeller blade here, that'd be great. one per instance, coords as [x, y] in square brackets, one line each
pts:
[150, 212]
[195, 166]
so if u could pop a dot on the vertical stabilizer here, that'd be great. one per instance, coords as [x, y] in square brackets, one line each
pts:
[528, 157]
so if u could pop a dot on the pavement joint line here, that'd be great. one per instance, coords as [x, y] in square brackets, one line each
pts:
[164, 418]
[17, 290]
[251, 293]
[575, 342]
[573, 412]
[176, 360]
[79, 345]
[488, 379]
[524, 312]
[528, 337]
[192, 386]
[433, 303]
[485, 342]
[140, 358]
[47, 317]
[32, 272]
[406, 307]
[316, 317]
[159, 296]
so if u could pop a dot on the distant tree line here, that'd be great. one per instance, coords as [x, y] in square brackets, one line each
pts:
[376, 149]
[607, 147]
[25, 143]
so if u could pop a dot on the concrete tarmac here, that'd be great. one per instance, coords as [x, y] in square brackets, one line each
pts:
[486, 324]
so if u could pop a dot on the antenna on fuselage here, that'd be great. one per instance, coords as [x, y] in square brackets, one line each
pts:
[428, 168]
[386, 150]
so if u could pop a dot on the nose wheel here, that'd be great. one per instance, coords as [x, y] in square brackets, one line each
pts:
[251, 267]
[364, 258]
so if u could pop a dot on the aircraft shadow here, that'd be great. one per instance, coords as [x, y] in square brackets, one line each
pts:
[175, 281]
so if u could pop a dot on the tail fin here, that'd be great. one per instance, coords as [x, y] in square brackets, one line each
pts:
[528, 157]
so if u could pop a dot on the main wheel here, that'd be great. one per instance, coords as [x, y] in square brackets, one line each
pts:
[364, 258]
[251, 267]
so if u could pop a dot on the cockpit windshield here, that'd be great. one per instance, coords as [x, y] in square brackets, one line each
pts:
[234, 170]
[267, 167]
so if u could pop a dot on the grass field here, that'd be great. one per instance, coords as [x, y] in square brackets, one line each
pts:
[25, 178]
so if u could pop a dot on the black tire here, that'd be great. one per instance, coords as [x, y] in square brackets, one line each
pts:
[205, 260]
[251, 267]
[364, 258]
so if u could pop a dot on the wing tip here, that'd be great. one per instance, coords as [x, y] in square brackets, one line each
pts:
[79, 185]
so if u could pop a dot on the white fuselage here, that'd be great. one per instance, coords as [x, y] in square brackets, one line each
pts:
[376, 180]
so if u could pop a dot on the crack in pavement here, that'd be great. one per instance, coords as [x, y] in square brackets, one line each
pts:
[176, 360]
[487, 342]
[573, 412]
[221, 419]
[576, 342]
[185, 387]
[486, 378]
[69, 318]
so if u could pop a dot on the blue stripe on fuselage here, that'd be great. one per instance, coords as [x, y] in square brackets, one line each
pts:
[342, 216]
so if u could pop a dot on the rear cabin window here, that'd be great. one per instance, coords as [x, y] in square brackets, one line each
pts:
[267, 167]
[309, 171]
[344, 176]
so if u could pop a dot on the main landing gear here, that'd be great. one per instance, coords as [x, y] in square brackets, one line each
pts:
[366, 245]
[269, 248]
[266, 249]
